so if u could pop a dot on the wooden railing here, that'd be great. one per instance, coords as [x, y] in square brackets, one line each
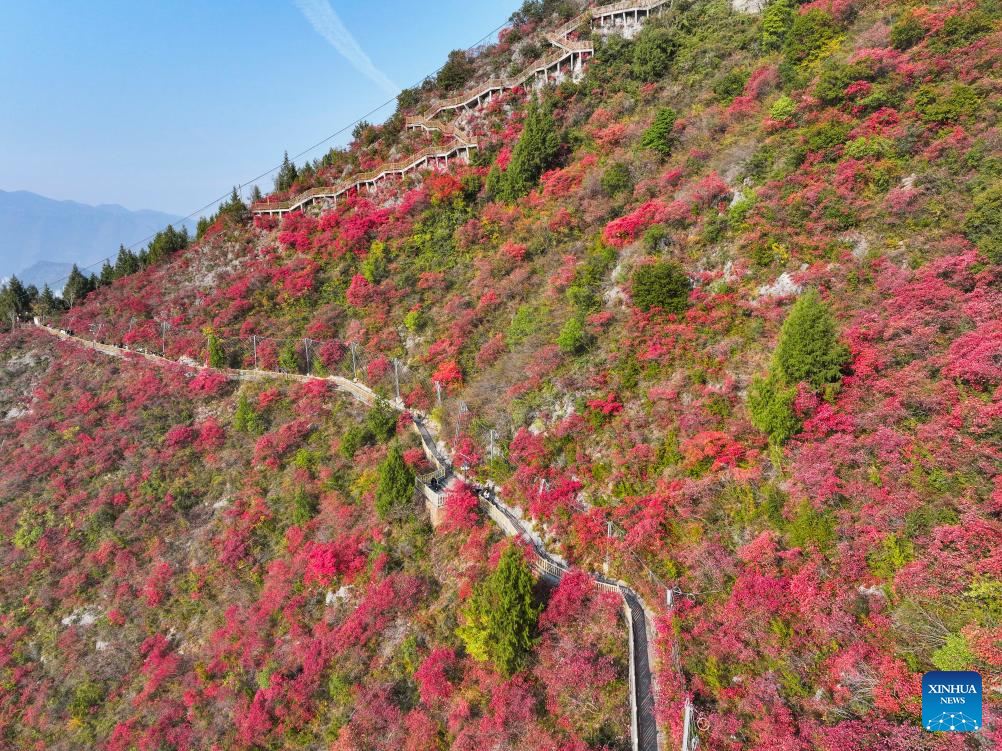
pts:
[566, 48]
[335, 191]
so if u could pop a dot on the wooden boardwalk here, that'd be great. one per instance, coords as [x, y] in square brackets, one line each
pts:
[567, 59]
[644, 730]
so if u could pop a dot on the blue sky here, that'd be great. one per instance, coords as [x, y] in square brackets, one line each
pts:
[165, 105]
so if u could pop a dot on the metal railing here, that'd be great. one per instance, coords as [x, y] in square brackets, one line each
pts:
[431, 484]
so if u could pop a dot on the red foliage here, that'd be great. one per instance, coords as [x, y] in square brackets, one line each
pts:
[976, 357]
[431, 675]
[448, 373]
[326, 561]
[461, 505]
[360, 291]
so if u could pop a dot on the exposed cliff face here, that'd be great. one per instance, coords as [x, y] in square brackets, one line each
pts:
[720, 316]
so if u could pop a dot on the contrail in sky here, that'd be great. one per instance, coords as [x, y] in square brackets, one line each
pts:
[329, 25]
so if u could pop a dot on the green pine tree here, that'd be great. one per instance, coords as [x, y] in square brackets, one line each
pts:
[287, 174]
[660, 137]
[126, 263]
[107, 274]
[654, 52]
[166, 243]
[661, 285]
[808, 351]
[217, 356]
[14, 298]
[983, 225]
[304, 506]
[395, 490]
[501, 615]
[573, 337]
[245, 419]
[534, 153]
[77, 287]
[288, 359]
[47, 303]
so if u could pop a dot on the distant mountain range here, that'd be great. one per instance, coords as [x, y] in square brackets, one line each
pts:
[40, 238]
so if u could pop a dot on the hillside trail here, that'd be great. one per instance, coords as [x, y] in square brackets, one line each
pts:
[644, 731]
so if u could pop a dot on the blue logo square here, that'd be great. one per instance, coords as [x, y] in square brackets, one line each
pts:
[951, 700]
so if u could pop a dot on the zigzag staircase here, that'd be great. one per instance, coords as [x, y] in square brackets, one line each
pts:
[567, 59]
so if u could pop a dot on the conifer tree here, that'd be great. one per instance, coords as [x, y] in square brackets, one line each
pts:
[501, 615]
[654, 52]
[660, 137]
[808, 351]
[808, 348]
[47, 303]
[107, 274]
[77, 287]
[234, 206]
[288, 360]
[534, 153]
[126, 263]
[217, 356]
[776, 21]
[396, 484]
[245, 419]
[14, 298]
[287, 174]
[661, 285]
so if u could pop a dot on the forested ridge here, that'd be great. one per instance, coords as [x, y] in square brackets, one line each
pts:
[720, 317]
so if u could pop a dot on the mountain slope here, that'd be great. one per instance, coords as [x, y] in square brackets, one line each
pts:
[720, 318]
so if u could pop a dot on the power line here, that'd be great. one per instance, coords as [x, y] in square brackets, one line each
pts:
[306, 151]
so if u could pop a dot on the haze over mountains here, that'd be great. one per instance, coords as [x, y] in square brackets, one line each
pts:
[40, 238]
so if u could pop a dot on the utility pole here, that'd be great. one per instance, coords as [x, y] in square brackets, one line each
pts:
[354, 363]
[306, 346]
[254, 346]
[163, 338]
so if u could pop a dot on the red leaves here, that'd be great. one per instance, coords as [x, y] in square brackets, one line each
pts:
[296, 230]
[976, 357]
[153, 589]
[491, 351]
[360, 292]
[431, 675]
[448, 373]
[709, 190]
[158, 666]
[207, 383]
[179, 436]
[461, 505]
[714, 445]
[442, 186]
[326, 561]
[626, 229]
[270, 448]
[608, 405]
[568, 600]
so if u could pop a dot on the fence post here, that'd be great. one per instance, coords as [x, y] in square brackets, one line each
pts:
[688, 740]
